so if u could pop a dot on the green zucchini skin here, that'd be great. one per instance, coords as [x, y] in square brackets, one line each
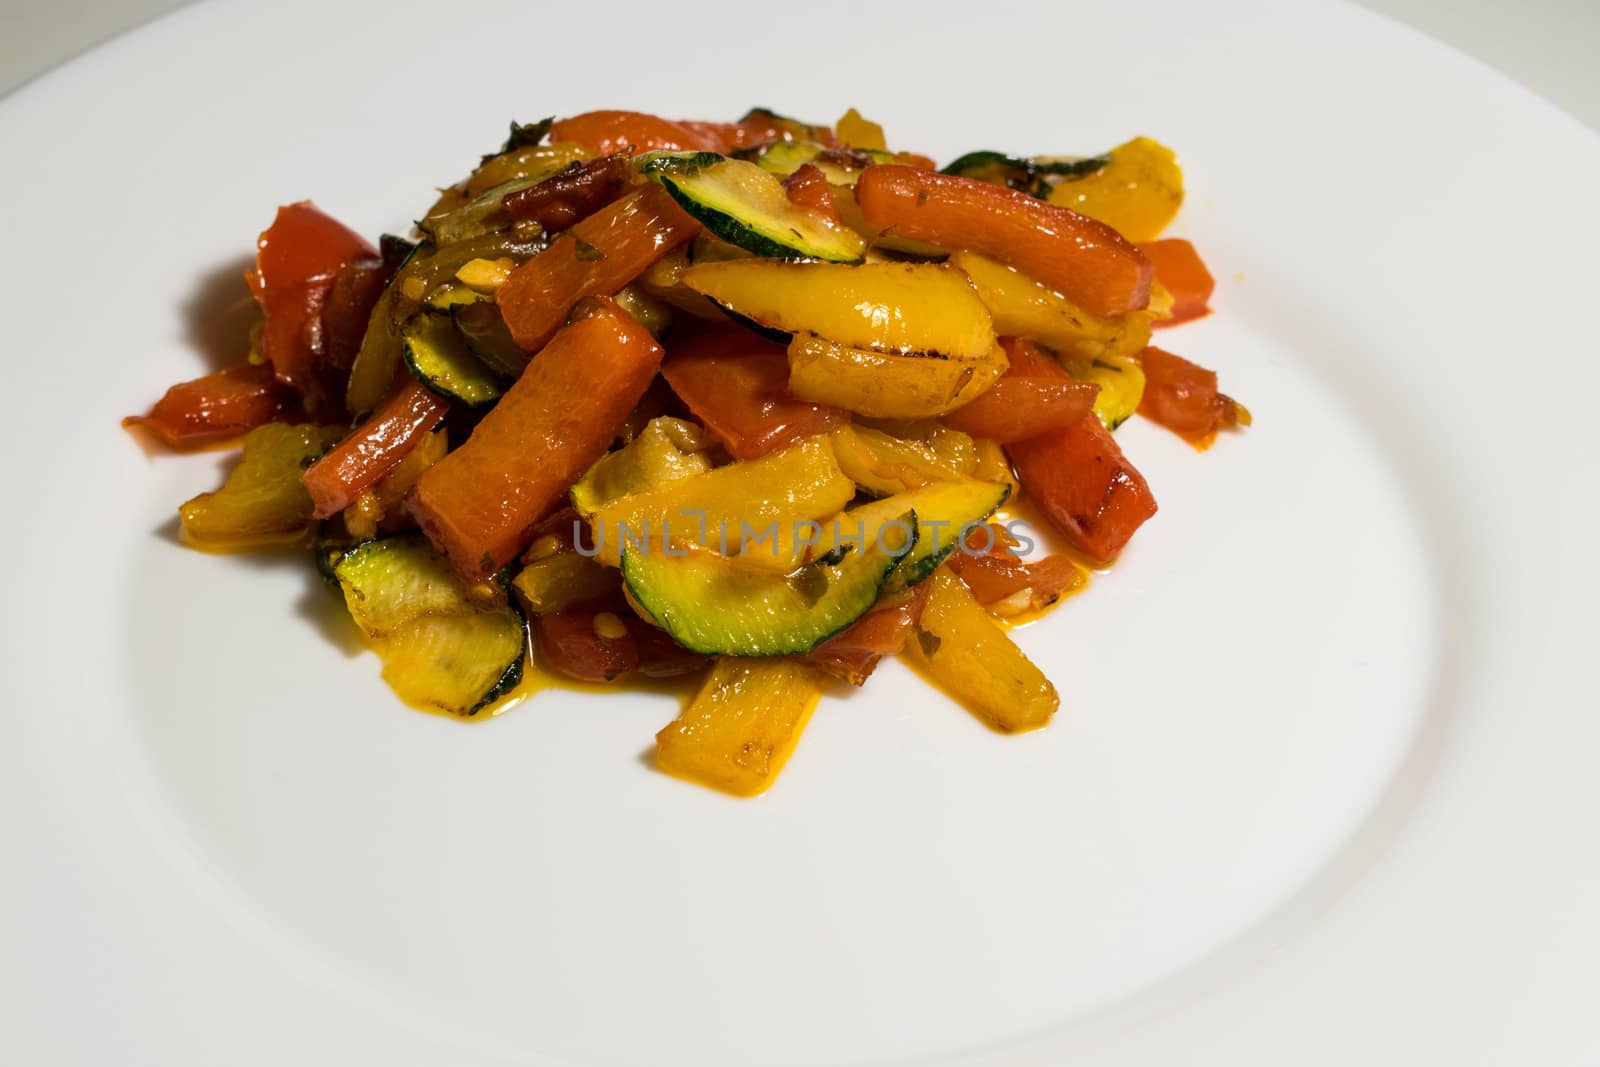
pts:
[716, 606]
[443, 647]
[437, 355]
[1028, 175]
[482, 327]
[746, 206]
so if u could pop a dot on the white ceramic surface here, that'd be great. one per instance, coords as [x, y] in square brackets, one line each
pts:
[1320, 790]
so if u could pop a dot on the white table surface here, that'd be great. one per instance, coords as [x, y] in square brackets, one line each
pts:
[1547, 45]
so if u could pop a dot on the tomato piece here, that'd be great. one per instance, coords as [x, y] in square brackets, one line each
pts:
[374, 448]
[992, 569]
[1085, 486]
[220, 405]
[1179, 267]
[298, 258]
[809, 188]
[855, 653]
[596, 257]
[1183, 397]
[480, 503]
[1086, 261]
[736, 383]
[605, 132]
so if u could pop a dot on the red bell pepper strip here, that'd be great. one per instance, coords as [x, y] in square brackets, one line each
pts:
[1085, 486]
[575, 644]
[222, 404]
[298, 258]
[990, 566]
[1179, 267]
[809, 188]
[1015, 408]
[1183, 397]
[1034, 395]
[371, 450]
[596, 257]
[855, 653]
[736, 383]
[605, 132]
[1085, 260]
[480, 503]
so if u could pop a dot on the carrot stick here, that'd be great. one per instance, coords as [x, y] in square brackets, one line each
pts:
[479, 503]
[596, 257]
[1086, 261]
[372, 449]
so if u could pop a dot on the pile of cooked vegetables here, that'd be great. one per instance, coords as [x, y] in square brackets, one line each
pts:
[758, 401]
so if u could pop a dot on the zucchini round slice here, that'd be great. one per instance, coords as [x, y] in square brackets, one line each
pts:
[945, 511]
[1031, 176]
[444, 647]
[438, 356]
[715, 605]
[746, 206]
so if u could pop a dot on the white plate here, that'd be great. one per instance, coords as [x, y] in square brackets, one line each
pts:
[1322, 788]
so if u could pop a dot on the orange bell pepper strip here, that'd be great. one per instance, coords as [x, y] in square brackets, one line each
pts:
[220, 405]
[605, 132]
[1183, 397]
[1077, 475]
[809, 188]
[596, 257]
[1179, 267]
[993, 570]
[1086, 261]
[480, 503]
[371, 450]
[297, 259]
[736, 383]
[854, 654]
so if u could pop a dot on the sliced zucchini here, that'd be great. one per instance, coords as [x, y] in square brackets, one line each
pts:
[1032, 176]
[841, 166]
[746, 206]
[438, 357]
[715, 605]
[654, 315]
[945, 512]
[452, 295]
[484, 329]
[445, 646]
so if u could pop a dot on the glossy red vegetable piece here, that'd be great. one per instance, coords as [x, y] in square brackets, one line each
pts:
[604, 132]
[809, 188]
[736, 383]
[1086, 261]
[298, 258]
[1179, 267]
[220, 405]
[1016, 407]
[855, 653]
[1084, 485]
[571, 194]
[1183, 397]
[993, 570]
[596, 257]
[345, 314]
[371, 450]
[580, 644]
[480, 503]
